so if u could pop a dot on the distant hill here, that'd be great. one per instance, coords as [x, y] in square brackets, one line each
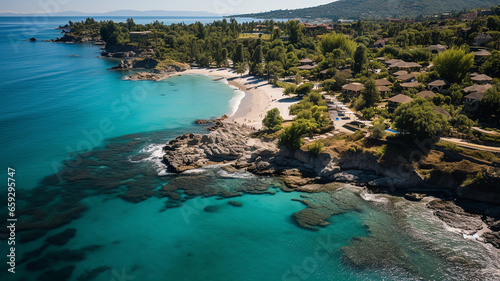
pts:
[375, 9]
[124, 13]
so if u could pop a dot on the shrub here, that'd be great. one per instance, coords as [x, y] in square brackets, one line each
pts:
[378, 129]
[290, 89]
[316, 147]
[291, 137]
[304, 89]
[368, 113]
[273, 120]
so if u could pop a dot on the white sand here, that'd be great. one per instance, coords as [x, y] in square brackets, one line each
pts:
[264, 96]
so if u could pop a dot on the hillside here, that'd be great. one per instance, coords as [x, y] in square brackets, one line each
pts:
[374, 9]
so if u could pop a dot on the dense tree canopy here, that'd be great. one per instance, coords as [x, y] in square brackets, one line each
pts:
[332, 41]
[370, 94]
[453, 64]
[291, 137]
[419, 120]
[273, 120]
[492, 65]
[491, 104]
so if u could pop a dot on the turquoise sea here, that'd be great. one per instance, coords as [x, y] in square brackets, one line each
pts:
[86, 146]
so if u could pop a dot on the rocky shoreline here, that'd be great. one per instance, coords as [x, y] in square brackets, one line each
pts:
[236, 146]
[96, 39]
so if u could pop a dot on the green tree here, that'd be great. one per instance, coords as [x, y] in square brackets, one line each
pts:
[239, 54]
[453, 64]
[332, 41]
[419, 120]
[462, 123]
[329, 85]
[316, 148]
[378, 129]
[492, 65]
[490, 104]
[304, 89]
[370, 94]
[291, 137]
[276, 34]
[224, 54]
[298, 78]
[240, 68]
[360, 59]
[273, 120]
[257, 58]
[290, 89]
[112, 34]
[295, 31]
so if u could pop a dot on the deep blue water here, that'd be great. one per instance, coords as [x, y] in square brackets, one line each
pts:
[59, 102]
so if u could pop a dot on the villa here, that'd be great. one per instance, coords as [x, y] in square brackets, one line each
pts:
[426, 94]
[396, 101]
[438, 85]
[436, 49]
[482, 79]
[353, 89]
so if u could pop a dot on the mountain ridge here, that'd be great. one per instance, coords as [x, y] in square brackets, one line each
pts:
[377, 9]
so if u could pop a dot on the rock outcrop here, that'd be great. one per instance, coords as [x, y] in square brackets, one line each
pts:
[228, 143]
[67, 38]
[147, 76]
[233, 143]
[147, 63]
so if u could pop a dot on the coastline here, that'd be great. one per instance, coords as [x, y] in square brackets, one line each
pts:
[264, 96]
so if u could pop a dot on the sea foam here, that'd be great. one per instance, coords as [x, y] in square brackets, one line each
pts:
[234, 103]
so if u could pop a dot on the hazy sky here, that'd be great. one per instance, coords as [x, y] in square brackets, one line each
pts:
[213, 6]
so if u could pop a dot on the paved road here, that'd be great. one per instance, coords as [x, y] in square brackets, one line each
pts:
[463, 143]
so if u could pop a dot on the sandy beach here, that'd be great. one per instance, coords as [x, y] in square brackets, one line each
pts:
[260, 96]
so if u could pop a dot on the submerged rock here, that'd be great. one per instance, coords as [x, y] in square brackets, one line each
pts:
[235, 203]
[31, 235]
[61, 238]
[61, 274]
[211, 209]
[92, 274]
[310, 218]
[203, 121]
[64, 255]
